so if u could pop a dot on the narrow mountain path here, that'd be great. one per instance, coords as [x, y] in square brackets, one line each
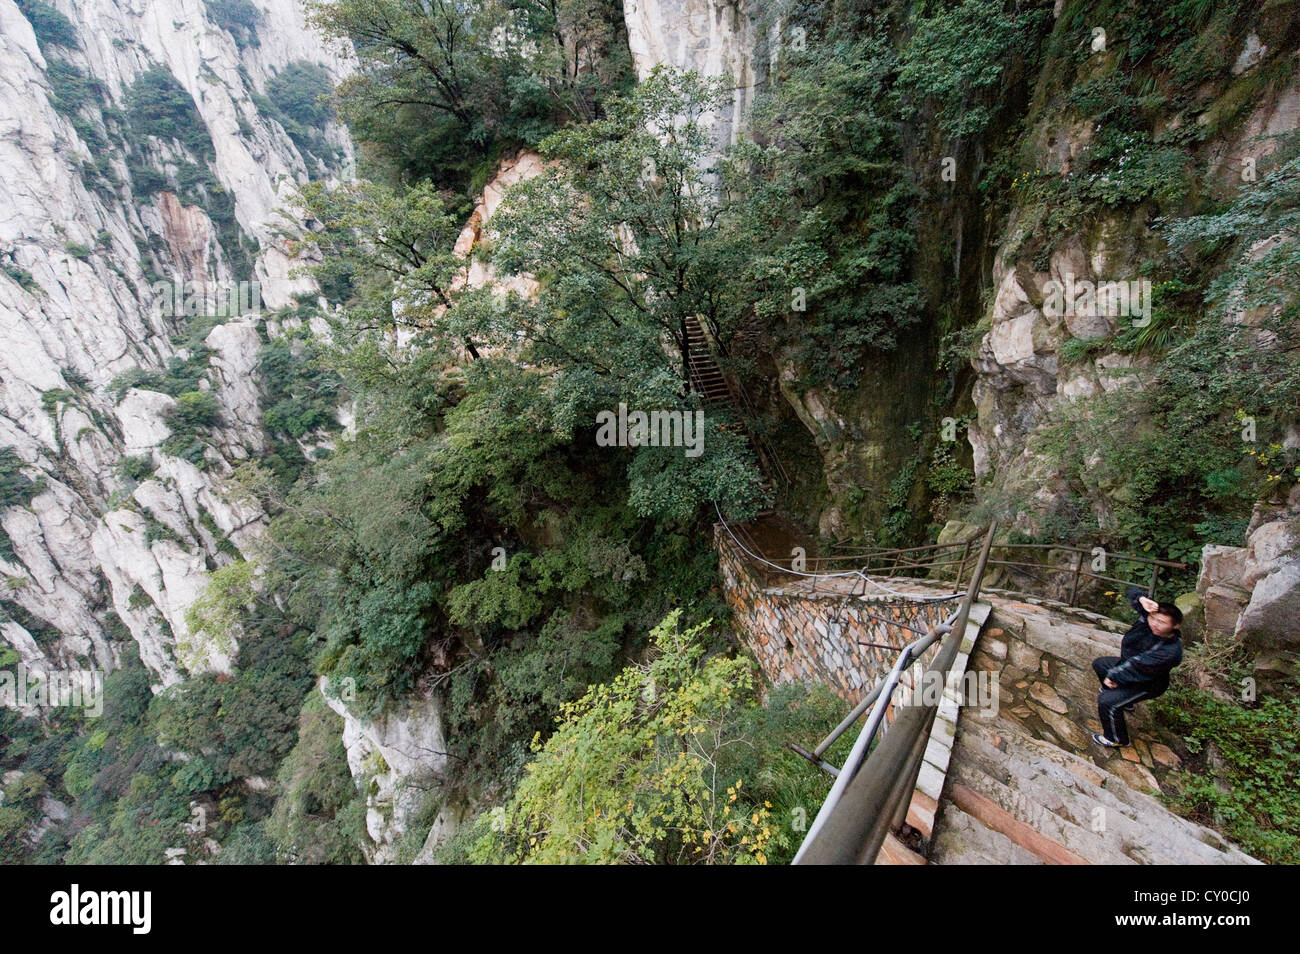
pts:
[1028, 786]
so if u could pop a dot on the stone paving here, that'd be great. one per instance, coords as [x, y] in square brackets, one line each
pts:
[1019, 782]
[1043, 661]
[1027, 785]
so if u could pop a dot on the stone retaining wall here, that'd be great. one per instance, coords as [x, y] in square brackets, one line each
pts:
[798, 635]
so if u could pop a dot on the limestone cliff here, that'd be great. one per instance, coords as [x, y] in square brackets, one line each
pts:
[99, 203]
[717, 38]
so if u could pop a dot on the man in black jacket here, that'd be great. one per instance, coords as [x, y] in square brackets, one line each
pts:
[1152, 648]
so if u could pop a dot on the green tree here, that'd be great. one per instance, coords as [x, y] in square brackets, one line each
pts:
[320, 817]
[219, 614]
[50, 26]
[621, 228]
[960, 54]
[442, 86]
[631, 774]
[393, 247]
[823, 205]
[20, 813]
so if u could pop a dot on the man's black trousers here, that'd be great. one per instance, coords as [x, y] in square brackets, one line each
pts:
[1111, 702]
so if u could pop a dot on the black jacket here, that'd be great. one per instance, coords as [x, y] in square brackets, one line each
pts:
[1145, 659]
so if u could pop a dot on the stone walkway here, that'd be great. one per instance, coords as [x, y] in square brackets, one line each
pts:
[1044, 661]
[1028, 785]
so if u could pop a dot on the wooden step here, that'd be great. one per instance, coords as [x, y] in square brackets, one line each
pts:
[894, 852]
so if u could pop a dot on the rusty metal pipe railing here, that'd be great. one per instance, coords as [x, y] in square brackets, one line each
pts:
[917, 648]
[856, 756]
[858, 814]
[852, 553]
[1071, 572]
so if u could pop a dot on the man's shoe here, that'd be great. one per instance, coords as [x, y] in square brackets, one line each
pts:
[1103, 741]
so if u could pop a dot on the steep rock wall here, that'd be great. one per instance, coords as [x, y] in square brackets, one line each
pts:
[1022, 377]
[83, 244]
[397, 758]
[713, 37]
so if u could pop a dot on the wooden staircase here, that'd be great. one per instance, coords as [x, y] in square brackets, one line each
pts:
[717, 391]
[706, 376]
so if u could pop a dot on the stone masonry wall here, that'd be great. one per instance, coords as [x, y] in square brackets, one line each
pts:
[801, 635]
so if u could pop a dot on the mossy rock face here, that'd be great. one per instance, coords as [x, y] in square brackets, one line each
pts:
[957, 531]
[1193, 608]
[1275, 669]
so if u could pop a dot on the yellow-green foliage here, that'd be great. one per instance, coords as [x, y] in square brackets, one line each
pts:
[632, 773]
[215, 618]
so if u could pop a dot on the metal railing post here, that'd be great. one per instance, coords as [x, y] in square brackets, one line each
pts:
[854, 760]
[1078, 568]
[901, 795]
[919, 647]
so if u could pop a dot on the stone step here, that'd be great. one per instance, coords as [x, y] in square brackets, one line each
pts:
[1059, 829]
[992, 815]
[938, 749]
[894, 852]
[1067, 770]
[1063, 789]
[964, 841]
[1060, 794]
[1147, 833]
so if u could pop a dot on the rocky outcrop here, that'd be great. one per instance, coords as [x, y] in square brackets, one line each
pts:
[82, 250]
[398, 758]
[712, 37]
[1021, 374]
[1024, 379]
[480, 273]
[1253, 592]
[53, 812]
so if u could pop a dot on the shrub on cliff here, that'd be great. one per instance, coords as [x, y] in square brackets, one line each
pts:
[50, 26]
[157, 105]
[240, 18]
[445, 87]
[674, 761]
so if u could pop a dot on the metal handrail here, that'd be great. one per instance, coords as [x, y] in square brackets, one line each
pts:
[860, 810]
[899, 557]
[852, 553]
[885, 687]
[741, 404]
[938, 559]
